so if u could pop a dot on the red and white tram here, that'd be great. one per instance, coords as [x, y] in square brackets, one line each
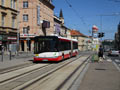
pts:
[54, 48]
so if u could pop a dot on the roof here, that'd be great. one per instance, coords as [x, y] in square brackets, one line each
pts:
[61, 14]
[77, 33]
[47, 2]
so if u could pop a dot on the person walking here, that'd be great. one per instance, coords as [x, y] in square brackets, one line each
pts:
[100, 53]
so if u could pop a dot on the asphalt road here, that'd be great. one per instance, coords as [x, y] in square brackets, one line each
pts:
[115, 59]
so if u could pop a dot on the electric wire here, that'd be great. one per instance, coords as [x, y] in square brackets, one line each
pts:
[77, 14]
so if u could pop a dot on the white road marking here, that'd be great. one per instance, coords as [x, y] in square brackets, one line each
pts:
[116, 60]
[117, 66]
[109, 60]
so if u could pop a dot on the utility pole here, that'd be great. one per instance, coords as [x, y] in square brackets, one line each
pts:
[18, 32]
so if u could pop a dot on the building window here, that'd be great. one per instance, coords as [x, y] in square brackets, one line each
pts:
[13, 3]
[25, 4]
[13, 22]
[25, 17]
[2, 2]
[25, 30]
[3, 20]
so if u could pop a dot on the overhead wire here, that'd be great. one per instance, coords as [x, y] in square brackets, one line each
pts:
[77, 14]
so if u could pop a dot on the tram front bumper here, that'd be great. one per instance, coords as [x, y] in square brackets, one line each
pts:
[48, 58]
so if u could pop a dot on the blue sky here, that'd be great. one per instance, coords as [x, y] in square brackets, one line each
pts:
[85, 13]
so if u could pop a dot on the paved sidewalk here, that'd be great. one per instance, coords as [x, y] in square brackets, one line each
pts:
[101, 76]
[22, 58]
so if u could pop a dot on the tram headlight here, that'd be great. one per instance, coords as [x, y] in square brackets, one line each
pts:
[36, 55]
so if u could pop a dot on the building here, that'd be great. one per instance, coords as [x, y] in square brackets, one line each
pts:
[117, 38]
[8, 24]
[108, 44]
[116, 44]
[83, 40]
[59, 27]
[36, 18]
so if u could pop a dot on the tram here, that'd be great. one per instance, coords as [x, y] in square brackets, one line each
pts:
[54, 48]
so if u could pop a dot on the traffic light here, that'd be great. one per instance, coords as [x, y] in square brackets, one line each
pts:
[100, 35]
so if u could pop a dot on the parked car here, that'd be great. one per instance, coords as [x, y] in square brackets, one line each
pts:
[114, 52]
[106, 50]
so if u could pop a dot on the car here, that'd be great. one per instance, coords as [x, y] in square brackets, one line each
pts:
[106, 50]
[114, 52]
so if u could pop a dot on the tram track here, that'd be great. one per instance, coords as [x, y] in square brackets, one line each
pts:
[42, 77]
[22, 79]
[6, 81]
[73, 76]
[13, 68]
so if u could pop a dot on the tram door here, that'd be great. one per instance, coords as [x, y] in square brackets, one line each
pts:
[71, 47]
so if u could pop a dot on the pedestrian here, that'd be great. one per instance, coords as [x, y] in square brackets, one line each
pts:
[100, 53]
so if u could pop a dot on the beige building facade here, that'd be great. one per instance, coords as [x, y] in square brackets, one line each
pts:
[8, 24]
[84, 42]
[36, 18]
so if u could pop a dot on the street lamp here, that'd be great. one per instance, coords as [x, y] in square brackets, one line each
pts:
[28, 28]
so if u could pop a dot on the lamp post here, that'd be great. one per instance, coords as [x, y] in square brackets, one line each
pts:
[18, 35]
[28, 28]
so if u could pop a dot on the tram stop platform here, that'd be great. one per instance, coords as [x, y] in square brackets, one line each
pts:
[101, 76]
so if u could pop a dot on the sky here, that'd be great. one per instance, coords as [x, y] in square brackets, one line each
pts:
[81, 15]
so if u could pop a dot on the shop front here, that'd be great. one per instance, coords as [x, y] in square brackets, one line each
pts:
[27, 43]
[8, 43]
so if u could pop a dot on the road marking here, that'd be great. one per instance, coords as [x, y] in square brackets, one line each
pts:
[117, 60]
[109, 60]
[117, 66]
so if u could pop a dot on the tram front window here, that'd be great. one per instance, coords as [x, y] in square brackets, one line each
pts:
[45, 45]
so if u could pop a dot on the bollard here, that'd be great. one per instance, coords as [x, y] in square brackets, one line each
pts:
[10, 55]
[2, 56]
[2, 53]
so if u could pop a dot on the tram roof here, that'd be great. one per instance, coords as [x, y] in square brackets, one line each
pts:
[64, 37]
[60, 37]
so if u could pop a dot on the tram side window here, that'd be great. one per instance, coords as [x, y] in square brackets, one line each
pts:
[64, 45]
[36, 47]
[75, 45]
[61, 46]
[67, 44]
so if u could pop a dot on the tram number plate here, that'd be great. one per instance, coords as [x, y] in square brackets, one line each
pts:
[44, 60]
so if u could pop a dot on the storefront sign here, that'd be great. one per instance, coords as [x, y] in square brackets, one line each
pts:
[12, 38]
[13, 42]
[46, 24]
[27, 35]
[57, 28]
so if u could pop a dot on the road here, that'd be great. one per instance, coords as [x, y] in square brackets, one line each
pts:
[115, 59]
